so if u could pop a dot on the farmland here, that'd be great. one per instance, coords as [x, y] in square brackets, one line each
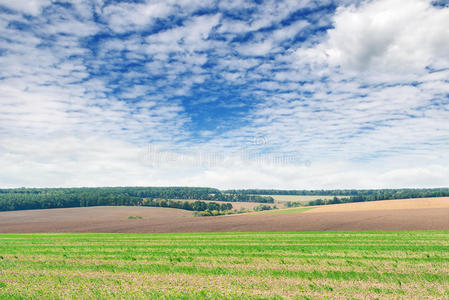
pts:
[301, 253]
[235, 205]
[281, 199]
[416, 203]
[287, 211]
[405, 214]
[228, 265]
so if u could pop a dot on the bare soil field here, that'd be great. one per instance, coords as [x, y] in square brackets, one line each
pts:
[414, 203]
[88, 219]
[424, 214]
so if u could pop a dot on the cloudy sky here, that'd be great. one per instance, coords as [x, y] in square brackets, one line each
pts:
[231, 94]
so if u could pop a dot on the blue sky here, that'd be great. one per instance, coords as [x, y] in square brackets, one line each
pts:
[230, 94]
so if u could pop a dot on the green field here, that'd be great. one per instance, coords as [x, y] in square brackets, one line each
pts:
[356, 265]
[286, 210]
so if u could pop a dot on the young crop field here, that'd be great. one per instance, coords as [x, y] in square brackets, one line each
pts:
[286, 210]
[356, 265]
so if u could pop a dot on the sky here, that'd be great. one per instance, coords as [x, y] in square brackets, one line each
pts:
[230, 94]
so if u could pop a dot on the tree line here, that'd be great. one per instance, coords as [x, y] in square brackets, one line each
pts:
[42, 198]
[367, 194]
[188, 205]
[380, 195]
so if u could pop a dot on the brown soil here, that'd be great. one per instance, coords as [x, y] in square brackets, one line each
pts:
[340, 217]
[417, 203]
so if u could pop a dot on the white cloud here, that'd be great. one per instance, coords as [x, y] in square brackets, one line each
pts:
[190, 37]
[289, 32]
[74, 115]
[256, 49]
[125, 16]
[102, 161]
[31, 7]
[390, 36]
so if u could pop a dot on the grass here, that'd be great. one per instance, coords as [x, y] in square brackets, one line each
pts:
[134, 217]
[356, 265]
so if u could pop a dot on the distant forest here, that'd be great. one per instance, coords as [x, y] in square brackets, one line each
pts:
[40, 198]
[345, 196]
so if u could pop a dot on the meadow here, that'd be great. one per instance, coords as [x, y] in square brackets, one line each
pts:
[303, 265]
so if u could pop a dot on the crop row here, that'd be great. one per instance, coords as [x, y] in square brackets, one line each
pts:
[245, 265]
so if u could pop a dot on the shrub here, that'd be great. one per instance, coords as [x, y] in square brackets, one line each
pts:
[262, 207]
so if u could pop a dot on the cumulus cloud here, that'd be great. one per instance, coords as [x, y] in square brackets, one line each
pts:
[390, 35]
